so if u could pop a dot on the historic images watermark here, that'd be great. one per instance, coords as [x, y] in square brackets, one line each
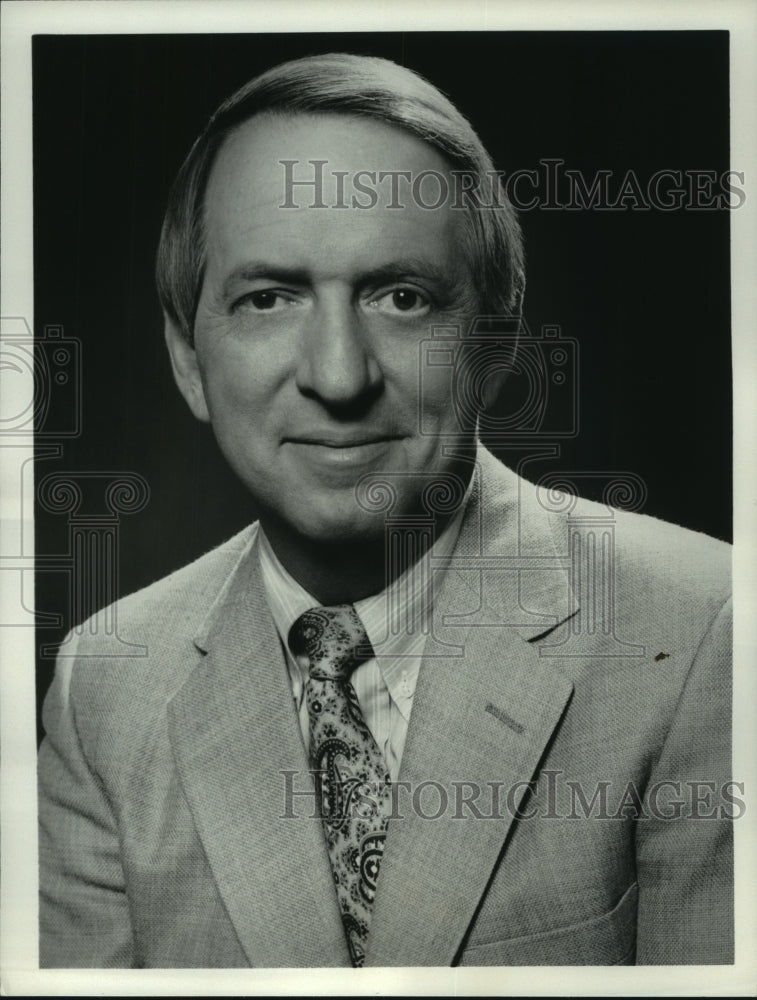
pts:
[550, 186]
[321, 794]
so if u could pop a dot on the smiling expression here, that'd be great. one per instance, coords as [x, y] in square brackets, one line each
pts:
[308, 332]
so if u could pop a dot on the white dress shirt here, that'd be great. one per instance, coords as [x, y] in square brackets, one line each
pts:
[396, 622]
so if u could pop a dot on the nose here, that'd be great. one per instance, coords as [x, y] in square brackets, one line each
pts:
[337, 364]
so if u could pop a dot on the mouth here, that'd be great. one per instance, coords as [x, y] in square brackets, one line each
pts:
[342, 451]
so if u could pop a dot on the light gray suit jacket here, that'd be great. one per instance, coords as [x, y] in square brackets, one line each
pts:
[165, 839]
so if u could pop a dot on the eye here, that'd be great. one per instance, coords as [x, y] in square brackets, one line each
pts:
[263, 300]
[405, 299]
[402, 300]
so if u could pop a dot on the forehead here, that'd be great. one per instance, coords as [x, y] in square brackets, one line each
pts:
[331, 184]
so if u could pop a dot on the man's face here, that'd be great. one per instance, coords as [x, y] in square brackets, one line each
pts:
[308, 332]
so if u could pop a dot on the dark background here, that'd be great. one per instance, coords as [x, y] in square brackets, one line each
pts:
[645, 293]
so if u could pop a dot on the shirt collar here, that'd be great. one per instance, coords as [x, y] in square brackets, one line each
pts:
[397, 620]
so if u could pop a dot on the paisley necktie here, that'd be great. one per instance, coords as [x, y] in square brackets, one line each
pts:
[349, 769]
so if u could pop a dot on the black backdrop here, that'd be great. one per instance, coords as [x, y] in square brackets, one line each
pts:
[645, 293]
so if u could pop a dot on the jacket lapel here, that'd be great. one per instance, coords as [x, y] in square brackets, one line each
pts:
[234, 732]
[485, 707]
[481, 720]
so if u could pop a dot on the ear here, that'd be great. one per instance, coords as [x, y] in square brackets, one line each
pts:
[186, 370]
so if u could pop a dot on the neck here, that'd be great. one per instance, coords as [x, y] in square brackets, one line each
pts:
[339, 573]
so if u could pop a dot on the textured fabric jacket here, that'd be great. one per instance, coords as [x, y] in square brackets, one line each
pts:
[577, 675]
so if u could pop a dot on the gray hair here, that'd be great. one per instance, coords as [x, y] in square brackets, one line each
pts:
[365, 86]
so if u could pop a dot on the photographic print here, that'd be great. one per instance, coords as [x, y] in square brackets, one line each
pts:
[380, 460]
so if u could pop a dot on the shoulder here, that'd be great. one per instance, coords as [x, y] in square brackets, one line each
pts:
[651, 570]
[658, 560]
[669, 588]
[653, 547]
[645, 602]
[183, 598]
[644, 547]
[128, 659]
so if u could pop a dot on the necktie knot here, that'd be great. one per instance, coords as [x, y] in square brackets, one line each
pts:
[333, 639]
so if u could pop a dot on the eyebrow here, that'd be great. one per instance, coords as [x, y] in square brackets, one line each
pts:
[395, 270]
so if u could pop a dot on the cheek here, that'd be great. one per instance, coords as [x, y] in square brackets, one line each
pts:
[435, 394]
[456, 392]
[239, 384]
[238, 412]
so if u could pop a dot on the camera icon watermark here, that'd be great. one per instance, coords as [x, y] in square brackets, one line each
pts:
[42, 376]
[539, 375]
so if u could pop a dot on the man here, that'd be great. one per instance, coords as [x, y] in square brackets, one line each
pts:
[515, 705]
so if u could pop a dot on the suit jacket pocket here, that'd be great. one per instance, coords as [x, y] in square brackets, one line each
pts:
[609, 939]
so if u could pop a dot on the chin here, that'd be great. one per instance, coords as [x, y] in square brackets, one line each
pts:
[327, 521]
[354, 531]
